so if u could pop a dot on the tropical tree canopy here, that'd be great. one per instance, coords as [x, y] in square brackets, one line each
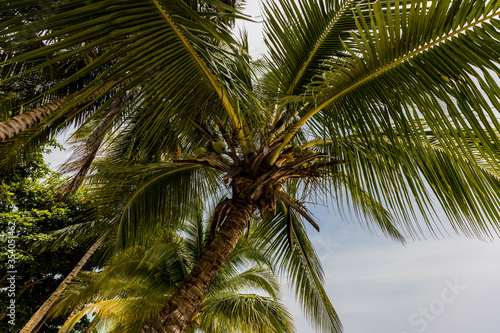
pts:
[30, 209]
[386, 107]
[139, 281]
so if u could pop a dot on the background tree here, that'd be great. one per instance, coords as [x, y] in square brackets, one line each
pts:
[29, 200]
[383, 105]
[24, 103]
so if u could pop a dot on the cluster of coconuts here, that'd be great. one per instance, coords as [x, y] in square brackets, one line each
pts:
[214, 150]
[298, 152]
[293, 153]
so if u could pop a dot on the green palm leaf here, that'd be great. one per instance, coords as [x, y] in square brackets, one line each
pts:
[301, 37]
[148, 197]
[368, 78]
[151, 46]
[246, 313]
[300, 264]
[139, 279]
[406, 181]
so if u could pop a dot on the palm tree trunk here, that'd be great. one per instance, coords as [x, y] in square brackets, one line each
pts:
[26, 120]
[32, 326]
[15, 125]
[177, 314]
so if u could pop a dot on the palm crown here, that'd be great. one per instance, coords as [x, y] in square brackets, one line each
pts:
[385, 104]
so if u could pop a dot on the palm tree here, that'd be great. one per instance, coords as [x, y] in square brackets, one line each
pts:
[24, 103]
[140, 279]
[381, 105]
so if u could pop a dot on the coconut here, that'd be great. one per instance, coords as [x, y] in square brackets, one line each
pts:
[200, 152]
[219, 147]
[297, 150]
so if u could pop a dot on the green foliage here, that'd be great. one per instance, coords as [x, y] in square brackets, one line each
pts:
[395, 103]
[139, 280]
[29, 210]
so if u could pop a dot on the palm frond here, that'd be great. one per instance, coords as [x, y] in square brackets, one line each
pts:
[377, 83]
[150, 196]
[300, 264]
[246, 313]
[255, 278]
[158, 47]
[408, 181]
[301, 35]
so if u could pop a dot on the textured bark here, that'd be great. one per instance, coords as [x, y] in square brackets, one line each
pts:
[26, 120]
[15, 125]
[177, 314]
[33, 324]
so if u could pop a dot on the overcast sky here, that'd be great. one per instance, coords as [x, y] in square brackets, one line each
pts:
[379, 286]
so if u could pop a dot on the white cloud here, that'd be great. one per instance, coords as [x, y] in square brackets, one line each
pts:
[379, 286]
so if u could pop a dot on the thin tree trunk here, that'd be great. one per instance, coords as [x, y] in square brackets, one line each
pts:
[177, 314]
[32, 325]
[15, 125]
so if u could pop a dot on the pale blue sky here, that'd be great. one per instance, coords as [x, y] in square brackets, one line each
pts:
[379, 286]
